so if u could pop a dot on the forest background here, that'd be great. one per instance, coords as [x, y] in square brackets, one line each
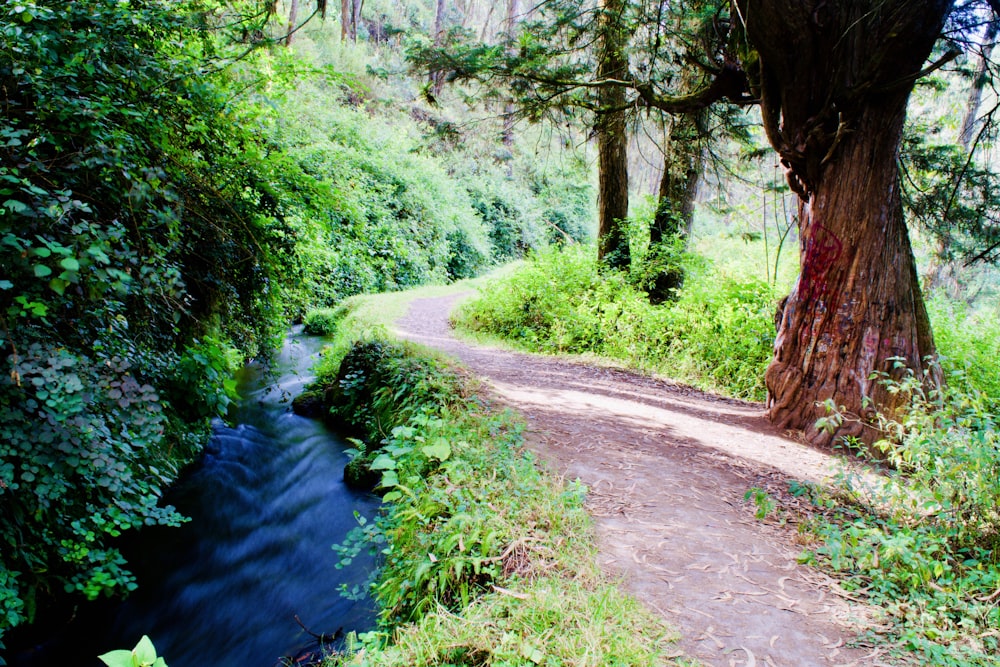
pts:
[180, 181]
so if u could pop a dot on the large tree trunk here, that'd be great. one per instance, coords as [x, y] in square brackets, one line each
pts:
[833, 80]
[612, 140]
[856, 306]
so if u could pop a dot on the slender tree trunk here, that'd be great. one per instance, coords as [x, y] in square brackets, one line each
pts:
[612, 140]
[346, 18]
[833, 107]
[507, 134]
[682, 166]
[355, 18]
[970, 121]
[436, 79]
[293, 17]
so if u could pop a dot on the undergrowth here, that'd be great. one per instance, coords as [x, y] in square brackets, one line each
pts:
[717, 335]
[485, 560]
[923, 542]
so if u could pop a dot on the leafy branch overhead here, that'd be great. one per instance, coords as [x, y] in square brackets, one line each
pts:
[549, 63]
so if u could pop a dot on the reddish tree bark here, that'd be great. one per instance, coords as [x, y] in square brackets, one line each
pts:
[833, 80]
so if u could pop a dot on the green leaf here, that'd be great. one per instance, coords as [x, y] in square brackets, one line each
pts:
[6, 284]
[144, 652]
[15, 206]
[58, 285]
[70, 264]
[383, 462]
[119, 658]
[440, 449]
[42, 271]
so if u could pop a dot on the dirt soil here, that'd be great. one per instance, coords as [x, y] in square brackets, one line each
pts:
[667, 468]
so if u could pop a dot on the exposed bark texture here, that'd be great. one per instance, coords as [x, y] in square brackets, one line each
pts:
[833, 80]
[612, 140]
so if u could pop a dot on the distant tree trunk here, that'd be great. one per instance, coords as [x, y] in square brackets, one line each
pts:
[350, 17]
[507, 135]
[833, 107]
[683, 163]
[436, 80]
[942, 271]
[293, 16]
[970, 121]
[612, 140]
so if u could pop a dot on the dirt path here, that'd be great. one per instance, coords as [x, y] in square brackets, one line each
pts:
[667, 468]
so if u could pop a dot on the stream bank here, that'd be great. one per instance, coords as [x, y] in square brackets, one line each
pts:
[266, 502]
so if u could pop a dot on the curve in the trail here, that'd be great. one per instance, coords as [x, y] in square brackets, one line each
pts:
[667, 469]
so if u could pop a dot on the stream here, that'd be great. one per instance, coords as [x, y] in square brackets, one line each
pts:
[267, 501]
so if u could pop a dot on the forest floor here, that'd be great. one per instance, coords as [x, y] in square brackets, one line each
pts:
[667, 468]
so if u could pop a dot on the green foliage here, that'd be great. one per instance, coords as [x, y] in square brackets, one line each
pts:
[968, 340]
[923, 542]
[951, 195]
[369, 212]
[135, 244]
[718, 334]
[143, 655]
[324, 321]
[378, 385]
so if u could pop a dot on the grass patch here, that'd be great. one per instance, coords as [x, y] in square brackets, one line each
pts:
[485, 559]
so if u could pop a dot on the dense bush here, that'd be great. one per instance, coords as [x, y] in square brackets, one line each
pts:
[968, 341]
[718, 334]
[368, 211]
[135, 244]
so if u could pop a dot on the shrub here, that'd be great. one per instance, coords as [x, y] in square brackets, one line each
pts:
[718, 334]
[924, 541]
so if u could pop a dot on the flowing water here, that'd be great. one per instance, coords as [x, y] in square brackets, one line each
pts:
[266, 503]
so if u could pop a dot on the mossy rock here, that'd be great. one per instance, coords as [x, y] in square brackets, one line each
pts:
[359, 475]
[311, 403]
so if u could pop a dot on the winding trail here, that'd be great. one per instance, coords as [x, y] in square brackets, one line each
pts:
[667, 468]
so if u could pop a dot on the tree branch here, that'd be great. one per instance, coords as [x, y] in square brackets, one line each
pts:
[729, 83]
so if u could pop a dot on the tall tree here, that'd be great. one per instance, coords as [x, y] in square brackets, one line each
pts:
[683, 163]
[612, 137]
[833, 82]
[970, 121]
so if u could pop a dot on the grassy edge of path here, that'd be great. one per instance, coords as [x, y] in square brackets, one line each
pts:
[488, 559]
